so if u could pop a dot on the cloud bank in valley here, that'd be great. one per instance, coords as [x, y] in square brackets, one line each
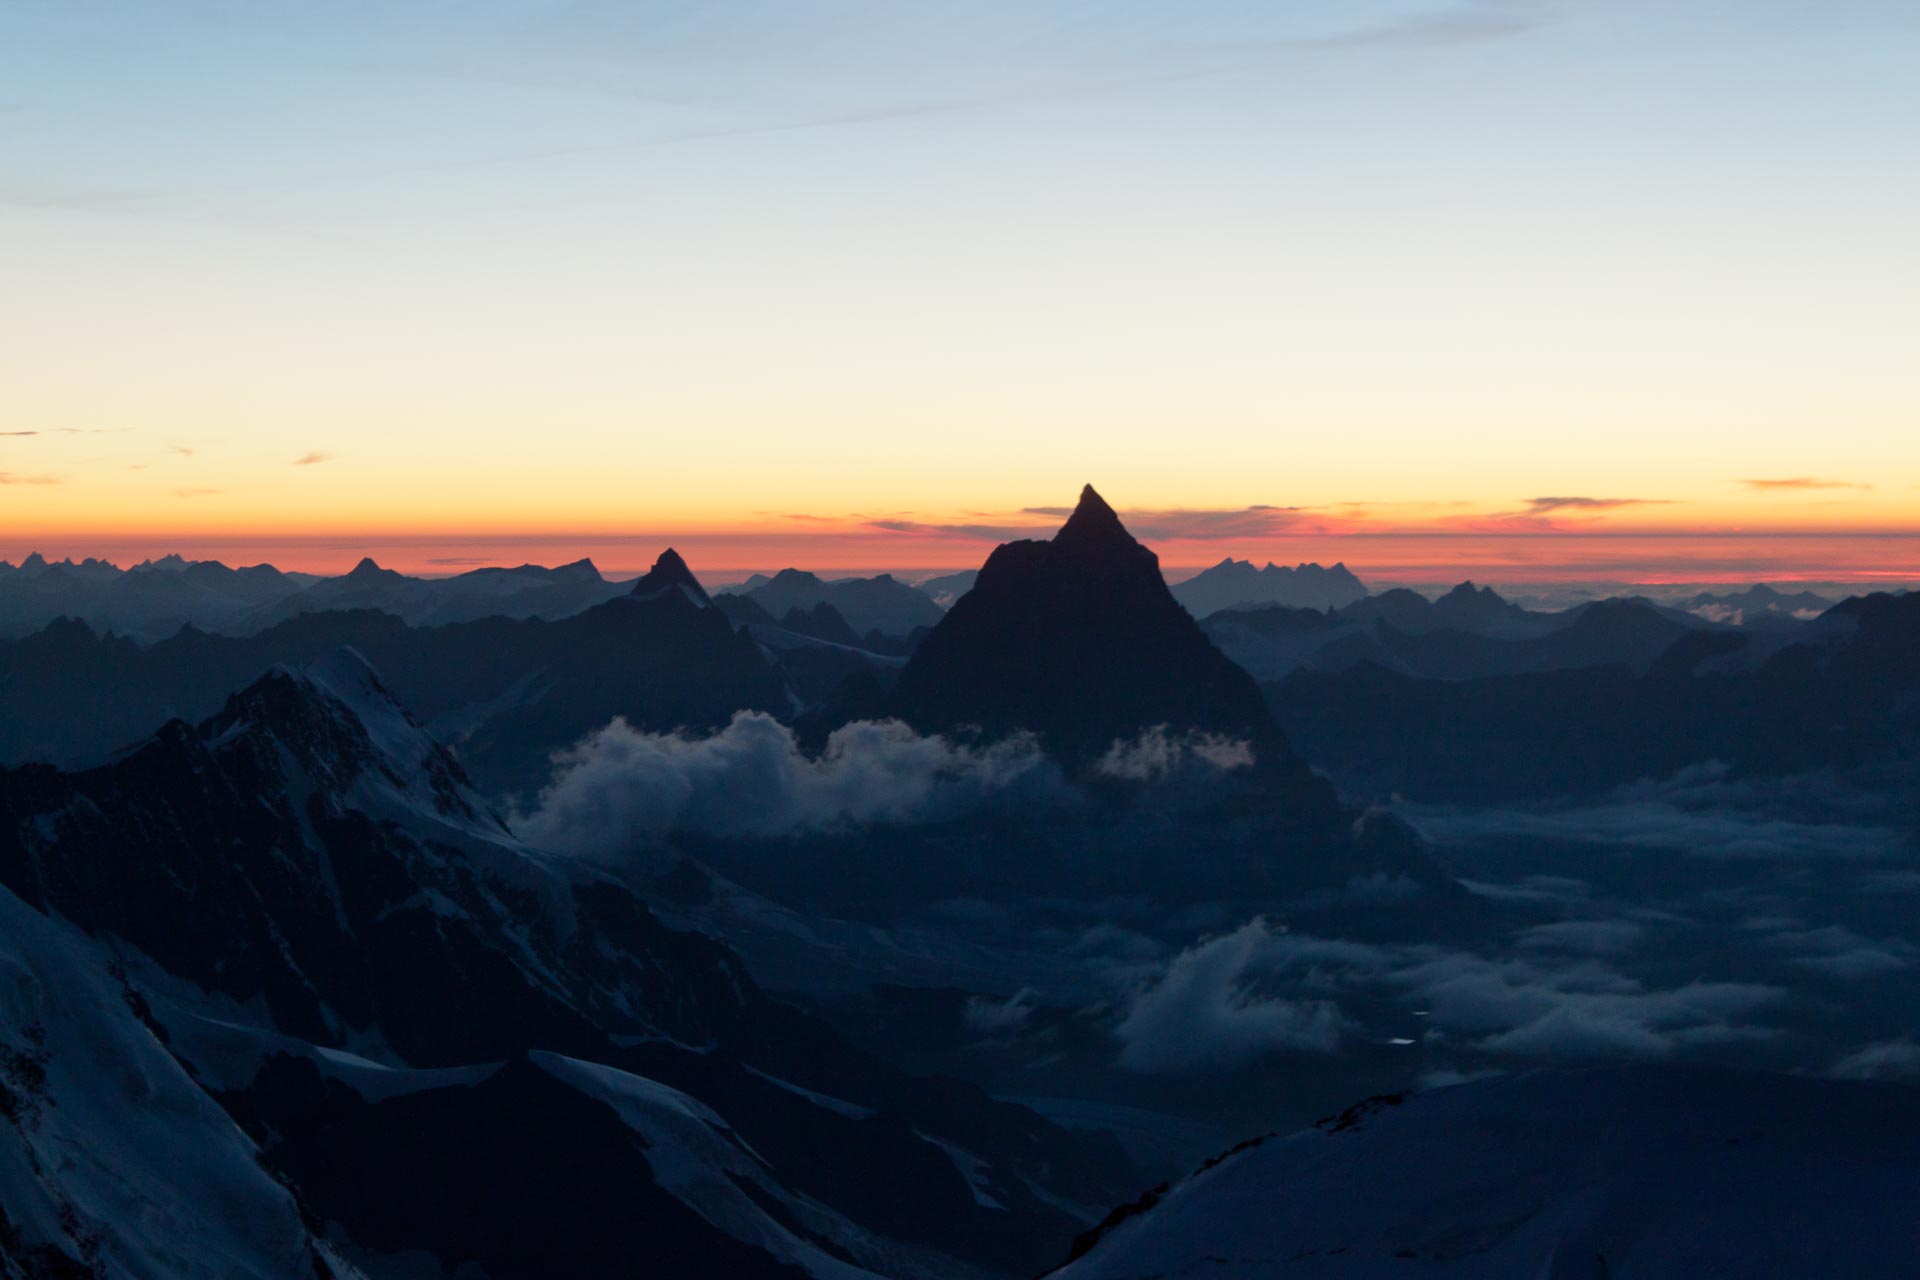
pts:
[621, 785]
[1204, 1012]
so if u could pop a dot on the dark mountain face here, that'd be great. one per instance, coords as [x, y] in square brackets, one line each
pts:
[1477, 610]
[822, 622]
[669, 573]
[1079, 640]
[309, 872]
[309, 842]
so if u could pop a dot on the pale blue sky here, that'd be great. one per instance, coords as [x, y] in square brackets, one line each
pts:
[707, 260]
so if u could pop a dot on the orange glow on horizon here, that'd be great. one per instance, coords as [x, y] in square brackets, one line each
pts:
[721, 554]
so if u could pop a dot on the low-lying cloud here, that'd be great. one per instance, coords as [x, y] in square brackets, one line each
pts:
[1204, 1011]
[1232, 998]
[1158, 753]
[621, 785]
[1651, 817]
[621, 788]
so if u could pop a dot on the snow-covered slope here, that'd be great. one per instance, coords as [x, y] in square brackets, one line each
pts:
[112, 1160]
[1650, 1173]
[440, 1039]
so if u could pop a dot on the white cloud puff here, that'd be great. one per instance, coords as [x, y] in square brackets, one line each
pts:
[1204, 1013]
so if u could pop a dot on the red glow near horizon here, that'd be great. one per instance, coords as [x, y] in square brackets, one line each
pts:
[1414, 557]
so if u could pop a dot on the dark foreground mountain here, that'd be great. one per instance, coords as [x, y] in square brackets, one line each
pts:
[1234, 584]
[1668, 1173]
[442, 1042]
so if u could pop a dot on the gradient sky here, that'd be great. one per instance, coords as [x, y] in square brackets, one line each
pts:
[1531, 288]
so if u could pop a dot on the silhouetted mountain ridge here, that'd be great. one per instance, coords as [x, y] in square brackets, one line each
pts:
[1079, 640]
[1234, 584]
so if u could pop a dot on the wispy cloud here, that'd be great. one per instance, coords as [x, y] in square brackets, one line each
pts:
[1152, 525]
[1538, 516]
[180, 449]
[9, 477]
[1802, 482]
[312, 459]
[959, 532]
[19, 433]
[1464, 24]
[1540, 506]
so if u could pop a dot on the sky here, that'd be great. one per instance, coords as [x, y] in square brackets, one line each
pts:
[1528, 288]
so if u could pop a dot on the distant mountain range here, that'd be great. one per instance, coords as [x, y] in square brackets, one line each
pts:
[1237, 584]
[1467, 633]
[507, 692]
[1835, 692]
[156, 598]
[881, 604]
[1757, 605]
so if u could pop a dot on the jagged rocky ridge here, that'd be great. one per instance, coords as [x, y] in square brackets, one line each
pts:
[423, 1025]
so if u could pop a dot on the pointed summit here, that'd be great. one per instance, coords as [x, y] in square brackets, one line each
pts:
[1094, 531]
[366, 569]
[1092, 519]
[670, 573]
[583, 570]
[1078, 639]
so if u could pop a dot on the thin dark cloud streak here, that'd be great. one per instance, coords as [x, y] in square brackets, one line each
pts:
[1801, 483]
[1465, 24]
[1540, 506]
[312, 459]
[1152, 525]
